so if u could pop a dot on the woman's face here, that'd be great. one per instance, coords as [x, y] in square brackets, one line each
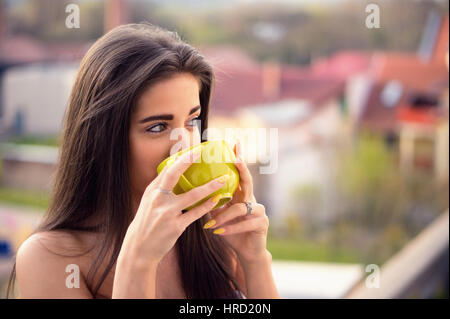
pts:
[170, 104]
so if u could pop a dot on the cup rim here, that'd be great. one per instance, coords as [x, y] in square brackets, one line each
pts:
[164, 162]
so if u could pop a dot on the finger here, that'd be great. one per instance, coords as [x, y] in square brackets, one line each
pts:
[235, 211]
[200, 192]
[259, 224]
[238, 149]
[172, 172]
[226, 215]
[197, 212]
[244, 173]
[160, 175]
[218, 210]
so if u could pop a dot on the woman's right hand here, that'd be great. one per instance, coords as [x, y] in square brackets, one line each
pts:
[159, 220]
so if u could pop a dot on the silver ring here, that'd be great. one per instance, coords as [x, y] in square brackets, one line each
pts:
[249, 208]
[164, 191]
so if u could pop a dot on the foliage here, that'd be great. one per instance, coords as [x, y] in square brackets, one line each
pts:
[379, 206]
[309, 31]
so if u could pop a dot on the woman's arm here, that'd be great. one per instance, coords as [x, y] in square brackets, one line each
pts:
[133, 277]
[259, 280]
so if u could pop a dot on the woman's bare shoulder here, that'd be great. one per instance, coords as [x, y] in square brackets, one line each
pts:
[66, 243]
[49, 265]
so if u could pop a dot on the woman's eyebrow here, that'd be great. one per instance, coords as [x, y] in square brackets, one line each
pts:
[167, 117]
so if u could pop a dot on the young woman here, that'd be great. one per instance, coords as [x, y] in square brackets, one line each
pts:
[111, 216]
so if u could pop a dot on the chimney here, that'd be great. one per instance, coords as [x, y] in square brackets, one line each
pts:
[115, 14]
[271, 80]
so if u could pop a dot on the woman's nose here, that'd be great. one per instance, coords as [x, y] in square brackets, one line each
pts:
[188, 137]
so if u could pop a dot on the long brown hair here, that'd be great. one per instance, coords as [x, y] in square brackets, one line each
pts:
[92, 178]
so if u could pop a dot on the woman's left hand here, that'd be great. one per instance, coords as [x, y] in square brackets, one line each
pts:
[247, 235]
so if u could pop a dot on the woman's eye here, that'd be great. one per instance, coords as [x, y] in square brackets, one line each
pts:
[156, 128]
[160, 127]
[193, 122]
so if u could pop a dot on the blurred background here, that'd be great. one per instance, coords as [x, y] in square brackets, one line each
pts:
[358, 204]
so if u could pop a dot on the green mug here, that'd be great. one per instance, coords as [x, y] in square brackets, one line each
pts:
[217, 158]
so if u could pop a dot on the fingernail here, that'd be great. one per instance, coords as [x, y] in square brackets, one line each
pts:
[223, 179]
[219, 231]
[210, 223]
[216, 198]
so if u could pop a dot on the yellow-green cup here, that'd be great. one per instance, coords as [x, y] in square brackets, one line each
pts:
[217, 159]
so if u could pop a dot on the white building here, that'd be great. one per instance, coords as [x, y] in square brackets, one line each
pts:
[35, 98]
[308, 136]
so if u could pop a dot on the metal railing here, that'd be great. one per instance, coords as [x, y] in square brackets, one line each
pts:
[419, 270]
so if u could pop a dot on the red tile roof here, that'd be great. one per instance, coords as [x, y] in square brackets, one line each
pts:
[343, 64]
[305, 84]
[414, 74]
[25, 49]
[376, 117]
[228, 57]
[409, 69]
[240, 81]
[425, 116]
[21, 49]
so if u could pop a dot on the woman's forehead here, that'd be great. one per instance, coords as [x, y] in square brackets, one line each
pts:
[178, 94]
